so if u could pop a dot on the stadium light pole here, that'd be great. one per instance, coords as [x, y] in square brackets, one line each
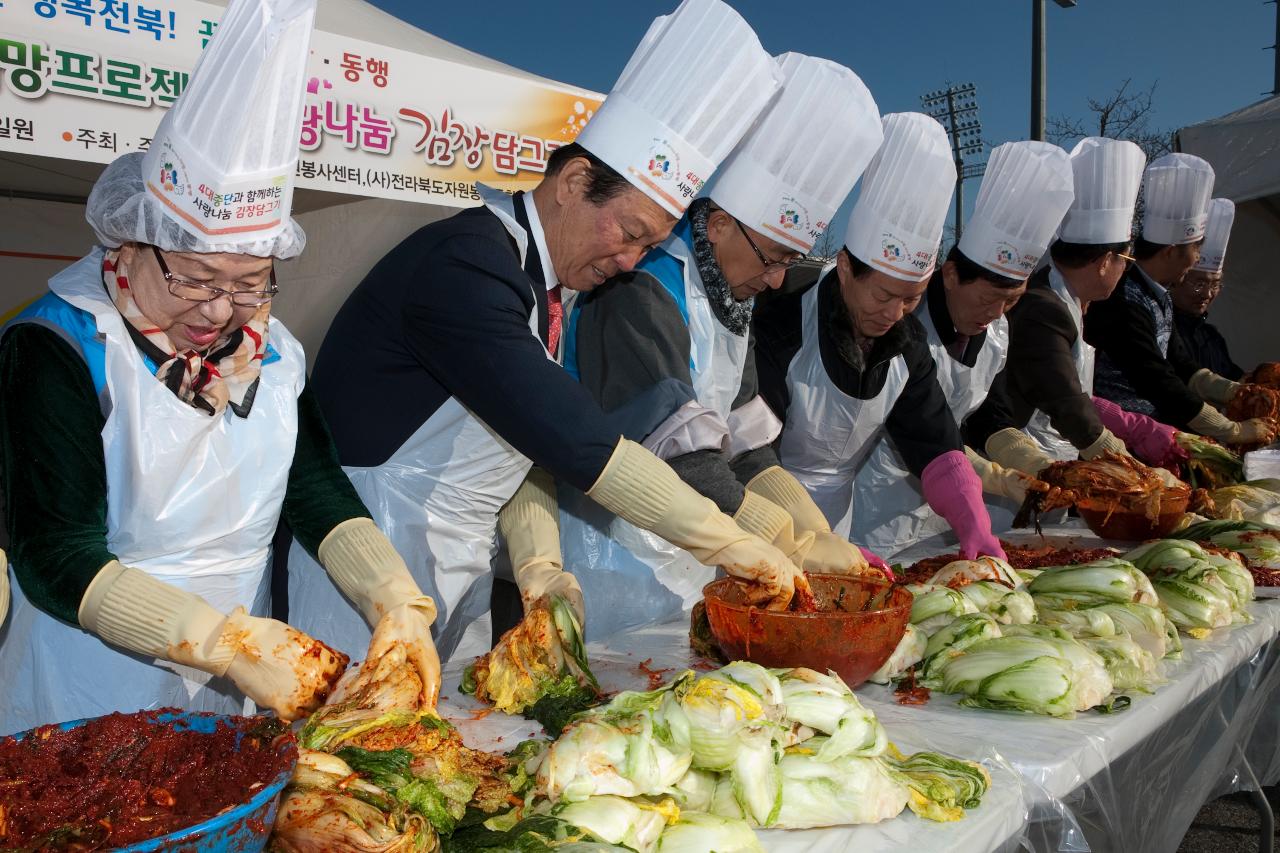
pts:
[1038, 94]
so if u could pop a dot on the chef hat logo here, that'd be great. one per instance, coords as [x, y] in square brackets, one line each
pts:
[1005, 254]
[1191, 230]
[792, 215]
[663, 162]
[891, 250]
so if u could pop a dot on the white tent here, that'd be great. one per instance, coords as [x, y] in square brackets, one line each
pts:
[42, 225]
[1244, 149]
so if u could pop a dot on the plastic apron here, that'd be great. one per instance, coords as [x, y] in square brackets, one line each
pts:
[633, 575]
[895, 514]
[1082, 354]
[192, 500]
[828, 433]
[437, 499]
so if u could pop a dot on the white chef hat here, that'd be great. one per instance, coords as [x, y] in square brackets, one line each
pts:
[1213, 252]
[1025, 191]
[804, 155]
[218, 176]
[692, 88]
[896, 224]
[1107, 174]
[1176, 190]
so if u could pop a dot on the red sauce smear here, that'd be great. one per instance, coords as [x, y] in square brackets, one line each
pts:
[125, 778]
[655, 676]
[1020, 557]
[803, 601]
[909, 693]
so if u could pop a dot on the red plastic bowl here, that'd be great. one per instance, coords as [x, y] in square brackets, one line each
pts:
[859, 624]
[1136, 527]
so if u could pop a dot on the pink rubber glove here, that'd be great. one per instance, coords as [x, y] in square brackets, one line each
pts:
[953, 490]
[1151, 441]
[876, 562]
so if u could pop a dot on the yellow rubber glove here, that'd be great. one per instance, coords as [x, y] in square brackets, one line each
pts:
[530, 522]
[1013, 448]
[642, 489]
[365, 566]
[1211, 387]
[1217, 426]
[4, 587]
[276, 666]
[770, 522]
[1108, 442]
[829, 554]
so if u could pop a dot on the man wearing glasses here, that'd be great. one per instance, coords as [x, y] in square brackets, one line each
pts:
[1193, 295]
[685, 314]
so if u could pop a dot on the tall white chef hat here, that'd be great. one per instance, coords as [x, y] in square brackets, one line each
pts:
[804, 155]
[1176, 190]
[218, 176]
[1107, 174]
[692, 88]
[897, 223]
[1025, 192]
[1213, 252]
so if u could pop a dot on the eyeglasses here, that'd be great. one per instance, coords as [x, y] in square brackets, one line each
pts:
[1206, 287]
[195, 291]
[769, 264]
[1125, 256]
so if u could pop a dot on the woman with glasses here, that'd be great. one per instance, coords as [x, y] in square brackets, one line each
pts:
[684, 313]
[155, 424]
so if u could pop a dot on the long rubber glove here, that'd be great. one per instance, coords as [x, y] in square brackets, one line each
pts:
[1211, 387]
[4, 587]
[1146, 438]
[530, 522]
[953, 489]
[276, 666]
[1105, 443]
[1217, 426]
[1006, 482]
[830, 553]
[1013, 448]
[764, 518]
[644, 490]
[366, 567]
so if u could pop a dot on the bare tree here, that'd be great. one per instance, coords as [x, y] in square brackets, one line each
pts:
[1125, 114]
[826, 247]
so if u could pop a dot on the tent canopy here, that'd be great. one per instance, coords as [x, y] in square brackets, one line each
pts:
[1244, 148]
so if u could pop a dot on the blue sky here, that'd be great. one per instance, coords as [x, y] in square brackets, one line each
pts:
[1206, 56]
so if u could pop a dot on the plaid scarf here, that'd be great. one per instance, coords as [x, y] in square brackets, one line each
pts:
[226, 374]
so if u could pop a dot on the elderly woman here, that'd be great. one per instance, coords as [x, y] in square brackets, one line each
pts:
[155, 424]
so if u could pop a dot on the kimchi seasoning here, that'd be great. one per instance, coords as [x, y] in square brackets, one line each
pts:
[908, 692]
[126, 778]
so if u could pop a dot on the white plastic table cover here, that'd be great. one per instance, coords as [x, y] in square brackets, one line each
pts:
[1261, 464]
[654, 655]
[1133, 780]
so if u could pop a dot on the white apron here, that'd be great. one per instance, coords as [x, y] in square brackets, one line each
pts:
[893, 513]
[632, 575]
[1082, 354]
[828, 433]
[192, 500]
[437, 499]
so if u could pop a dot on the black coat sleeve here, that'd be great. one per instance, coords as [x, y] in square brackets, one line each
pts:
[319, 496]
[1180, 356]
[470, 329]
[630, 335]
[55, 472]
[1042, 373]
[1126, 333]
[995, 413]
[920, 424]
[777, 335]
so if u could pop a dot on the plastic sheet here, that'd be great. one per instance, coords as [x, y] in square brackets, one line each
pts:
[650, 656]
[1132, 780]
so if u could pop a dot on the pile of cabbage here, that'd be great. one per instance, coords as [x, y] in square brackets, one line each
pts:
[1255, 500]
[1199, 590]
[699, 763]
[1258, 544]
[1056, 641]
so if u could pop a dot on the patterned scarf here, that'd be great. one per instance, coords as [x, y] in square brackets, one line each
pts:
[733, 314]
[227, 374]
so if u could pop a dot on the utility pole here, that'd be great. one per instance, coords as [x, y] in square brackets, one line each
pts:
[1275, 82]
[956, 109]
[1038, 86]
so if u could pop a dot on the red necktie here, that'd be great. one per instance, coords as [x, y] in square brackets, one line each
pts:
[555, 313]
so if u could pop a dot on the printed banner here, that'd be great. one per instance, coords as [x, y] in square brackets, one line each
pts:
[88, 80]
